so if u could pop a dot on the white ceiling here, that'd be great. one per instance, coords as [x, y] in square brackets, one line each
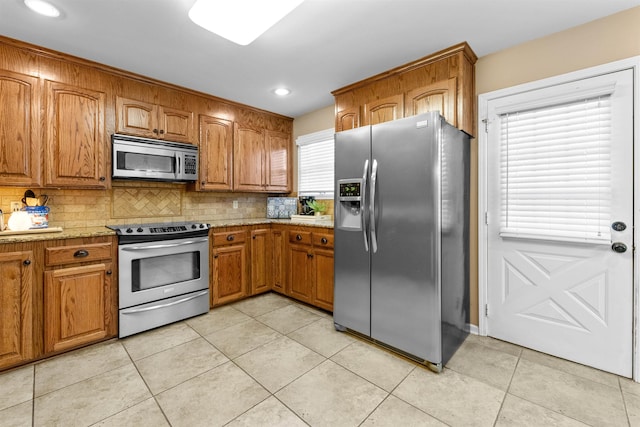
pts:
[321, 46]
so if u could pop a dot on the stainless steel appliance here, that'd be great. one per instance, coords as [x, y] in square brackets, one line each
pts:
[153, 159]
[401, 235]
[163, 274]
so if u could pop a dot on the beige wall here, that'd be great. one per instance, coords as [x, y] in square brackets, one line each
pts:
[605, 40]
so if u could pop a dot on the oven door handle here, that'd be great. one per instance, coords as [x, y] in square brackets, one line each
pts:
[169, 304]
[173, 245]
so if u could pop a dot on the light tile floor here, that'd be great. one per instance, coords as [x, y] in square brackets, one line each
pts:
[270, 361]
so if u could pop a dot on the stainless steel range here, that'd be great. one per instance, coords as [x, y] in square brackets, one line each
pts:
[163, 274]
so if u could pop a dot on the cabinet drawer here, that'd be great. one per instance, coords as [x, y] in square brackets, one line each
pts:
[323, 240]
[78, 253]
[300, 237]
[229, 237]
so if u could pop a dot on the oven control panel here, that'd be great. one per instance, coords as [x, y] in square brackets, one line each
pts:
[160, 230]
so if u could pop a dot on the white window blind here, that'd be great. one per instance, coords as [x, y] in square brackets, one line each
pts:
[555, 171]
[316, 164]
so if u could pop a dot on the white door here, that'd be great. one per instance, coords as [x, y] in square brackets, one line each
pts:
[560, 175]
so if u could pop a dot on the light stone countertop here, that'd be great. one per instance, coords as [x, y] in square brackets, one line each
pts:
[70, 233]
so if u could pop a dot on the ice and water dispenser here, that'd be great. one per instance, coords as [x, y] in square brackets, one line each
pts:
[350, 204]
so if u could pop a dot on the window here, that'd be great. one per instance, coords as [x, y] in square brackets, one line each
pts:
[555, 171]
[316, 164]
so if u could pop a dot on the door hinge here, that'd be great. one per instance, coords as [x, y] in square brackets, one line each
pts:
[486, 125]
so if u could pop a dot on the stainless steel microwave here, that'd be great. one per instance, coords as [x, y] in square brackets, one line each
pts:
[153, 159]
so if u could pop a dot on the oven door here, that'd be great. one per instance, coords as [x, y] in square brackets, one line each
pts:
[153, 271]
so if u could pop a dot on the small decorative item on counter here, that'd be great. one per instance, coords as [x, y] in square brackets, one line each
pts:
[38, 215]
[281, 207]
[19, 221]
[317, 207]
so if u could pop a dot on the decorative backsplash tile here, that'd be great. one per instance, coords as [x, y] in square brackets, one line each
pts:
[281, 207]
[146, 202]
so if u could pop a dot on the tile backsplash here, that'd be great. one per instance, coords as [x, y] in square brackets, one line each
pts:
[130, 203]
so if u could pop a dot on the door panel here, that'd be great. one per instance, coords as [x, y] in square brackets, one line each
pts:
[567, 298]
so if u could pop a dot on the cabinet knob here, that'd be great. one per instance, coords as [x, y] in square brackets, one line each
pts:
[253, 237]
[27, 262]
[215, 255]
[230, 238]
[203, 183]
[109, 272]
[155, 131]
[161, 131]
[81, 253]
[298, 237]
[309, 255]
[324, 241]
[102, 179]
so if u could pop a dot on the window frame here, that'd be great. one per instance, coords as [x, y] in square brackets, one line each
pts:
[310, 139]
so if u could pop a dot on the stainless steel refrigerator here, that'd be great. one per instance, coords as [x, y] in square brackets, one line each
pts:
[401, 235]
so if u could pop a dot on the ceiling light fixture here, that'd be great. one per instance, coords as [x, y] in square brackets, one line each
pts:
[43, 8]
[240, 21]
[282, 91]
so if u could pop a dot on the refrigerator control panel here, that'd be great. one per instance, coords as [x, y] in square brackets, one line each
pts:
[349, 209]
[350, 189]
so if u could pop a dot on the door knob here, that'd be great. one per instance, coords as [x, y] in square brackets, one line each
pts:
[619, 226]
[619, 247]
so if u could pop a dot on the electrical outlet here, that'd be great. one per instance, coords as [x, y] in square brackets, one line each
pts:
[15, 206]
[235, 204]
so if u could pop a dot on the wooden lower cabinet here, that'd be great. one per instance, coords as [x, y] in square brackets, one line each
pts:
[310, 266]
[80, 293]
[16, 307]
[76, 306]
[228, 267]
[278, 272]
[260, 261]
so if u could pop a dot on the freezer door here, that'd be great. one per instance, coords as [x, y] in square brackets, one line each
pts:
[405, 292]
[352, 293]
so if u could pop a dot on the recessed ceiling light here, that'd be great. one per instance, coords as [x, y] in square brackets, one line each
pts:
[43, 8]
[282, 91]
[240, 21]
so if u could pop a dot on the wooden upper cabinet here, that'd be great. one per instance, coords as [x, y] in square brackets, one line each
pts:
[443, 81]
[248, 158]
[16, 310]
[150, 120]
[19, 136]
[216, 154]
[278, 167]
[384, 110]
[440, 96]
[346, 119]
[75, 139]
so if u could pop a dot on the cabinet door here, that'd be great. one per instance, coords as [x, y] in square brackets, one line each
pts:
[349, 118]
[75, 137]
[136, 118]
[440, 96]
[216, 154]
[300, 284]
[323, 278]
[260, 261]
[384, 110]
[248, 159]
[229, 274]
[277, 261]
[19, 136]
[76, 308]
[16, 310]
[175, 125]
[278, 168]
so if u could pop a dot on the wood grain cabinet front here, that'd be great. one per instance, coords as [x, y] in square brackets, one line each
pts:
[216, 154]
[260, 261]
[80, 293]
[75, 143]
[151, 120]
[228, 267]
[16, 307]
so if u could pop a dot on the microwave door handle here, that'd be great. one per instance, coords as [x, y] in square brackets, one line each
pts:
[173, 245]
[178, 163]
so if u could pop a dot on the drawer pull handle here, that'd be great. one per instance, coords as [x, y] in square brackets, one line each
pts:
[81, 253]
[109, 272]
[298, 237]
[230, 238]
[309, 255]
[324, 241]
[27, 262]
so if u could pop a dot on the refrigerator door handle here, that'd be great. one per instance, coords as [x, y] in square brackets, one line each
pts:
[363, 217]
[372, 204]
